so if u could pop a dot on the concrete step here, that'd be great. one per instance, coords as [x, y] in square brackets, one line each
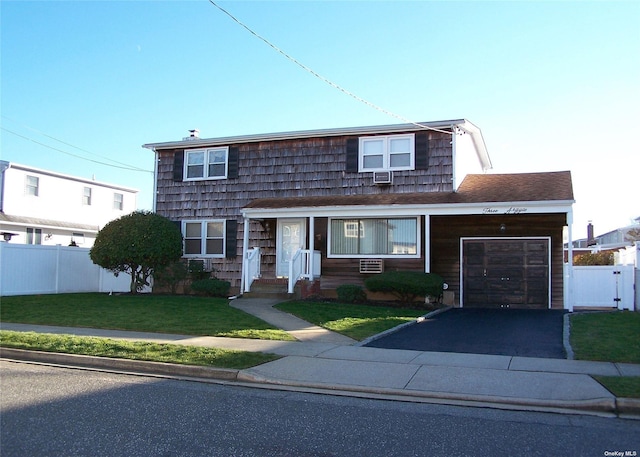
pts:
[269, 288]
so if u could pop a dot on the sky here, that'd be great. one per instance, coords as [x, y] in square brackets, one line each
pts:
[553, 85]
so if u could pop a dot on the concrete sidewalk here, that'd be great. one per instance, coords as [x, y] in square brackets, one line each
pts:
[319, 363]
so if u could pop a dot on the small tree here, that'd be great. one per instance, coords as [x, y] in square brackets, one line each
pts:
[137, 244]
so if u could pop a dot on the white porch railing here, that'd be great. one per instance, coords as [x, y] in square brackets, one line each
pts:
[252, 267]
[304, 264]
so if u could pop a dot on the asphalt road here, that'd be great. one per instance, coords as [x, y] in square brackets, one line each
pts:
[525, 333]
[52, 411]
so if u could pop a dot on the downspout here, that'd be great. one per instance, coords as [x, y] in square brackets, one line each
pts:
[454, 134]
[3, 167]
[155, 180]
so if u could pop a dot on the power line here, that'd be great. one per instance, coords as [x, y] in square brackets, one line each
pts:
[75, 155]
[322, 78]
[124, 165]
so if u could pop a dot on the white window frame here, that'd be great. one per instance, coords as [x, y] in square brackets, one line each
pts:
[417, 255]
[78, 238]
[32, 189]
[34, 236]
[205, 166]
[203, 238]
[86, 196]
[118, 204]
[386, 152]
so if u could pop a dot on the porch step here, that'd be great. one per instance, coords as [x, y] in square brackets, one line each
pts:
[268, 288]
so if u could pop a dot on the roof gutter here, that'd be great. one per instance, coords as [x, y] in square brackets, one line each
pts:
[372, 130]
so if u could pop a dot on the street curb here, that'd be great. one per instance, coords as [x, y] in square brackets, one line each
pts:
[108, 363]
[599, 406]
[628, 407]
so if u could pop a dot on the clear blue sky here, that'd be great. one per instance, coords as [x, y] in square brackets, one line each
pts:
[553, 85]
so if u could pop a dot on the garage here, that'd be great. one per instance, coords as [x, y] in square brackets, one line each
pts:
[506, 273]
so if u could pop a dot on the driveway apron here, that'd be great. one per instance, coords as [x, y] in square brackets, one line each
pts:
[524, 333]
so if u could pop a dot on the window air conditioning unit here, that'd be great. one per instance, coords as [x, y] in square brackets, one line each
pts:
[382, 177]
[371, 266]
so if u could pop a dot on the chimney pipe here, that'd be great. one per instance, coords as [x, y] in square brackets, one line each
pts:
[590, 239]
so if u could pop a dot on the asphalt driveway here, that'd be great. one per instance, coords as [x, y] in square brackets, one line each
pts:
[514, 332]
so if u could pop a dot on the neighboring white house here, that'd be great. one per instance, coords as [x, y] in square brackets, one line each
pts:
[44, 207]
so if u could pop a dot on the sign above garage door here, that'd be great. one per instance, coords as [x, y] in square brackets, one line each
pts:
[505, 272]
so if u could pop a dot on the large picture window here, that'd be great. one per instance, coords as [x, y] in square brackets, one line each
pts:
[382, 153]
[204, 238]
[206, 163]
[374, 237]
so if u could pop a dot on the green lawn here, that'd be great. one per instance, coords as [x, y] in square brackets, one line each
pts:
[610, 337]
[149, 313]
[104, 347]
[607, 336]
[355, 321]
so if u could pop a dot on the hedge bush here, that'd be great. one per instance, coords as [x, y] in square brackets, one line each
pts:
[594, 258]
[407, 286]
[211, 287]
[351, 293]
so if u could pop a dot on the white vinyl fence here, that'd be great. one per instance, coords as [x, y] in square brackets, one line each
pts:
[603, 286]
[35, 269]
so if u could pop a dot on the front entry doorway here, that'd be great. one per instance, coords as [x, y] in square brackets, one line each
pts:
[291, 236]
[506, 272]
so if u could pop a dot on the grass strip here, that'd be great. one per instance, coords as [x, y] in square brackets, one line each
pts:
[104, 347]
[621, 386]
[184, 315]
[606, 336]
[355, 321]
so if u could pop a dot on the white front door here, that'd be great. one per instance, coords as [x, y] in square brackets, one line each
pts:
[291, 236]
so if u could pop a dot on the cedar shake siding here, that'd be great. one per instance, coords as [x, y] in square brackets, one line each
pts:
[311, 185]
[312, 167]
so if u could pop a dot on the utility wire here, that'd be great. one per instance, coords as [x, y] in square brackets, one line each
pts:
[322, 78]
[124, 165]
[75, 155]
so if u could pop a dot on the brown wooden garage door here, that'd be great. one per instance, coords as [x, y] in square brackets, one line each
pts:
[510, 273]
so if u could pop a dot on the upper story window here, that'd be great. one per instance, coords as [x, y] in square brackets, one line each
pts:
[382, 153]
[118, 201]
[204, 238]
[206, 163]
[86, 196]
[32, 186]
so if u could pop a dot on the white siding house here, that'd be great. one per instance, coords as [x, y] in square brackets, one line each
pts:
[48, 208]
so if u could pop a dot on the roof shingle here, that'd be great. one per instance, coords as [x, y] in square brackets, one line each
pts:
[475, 188]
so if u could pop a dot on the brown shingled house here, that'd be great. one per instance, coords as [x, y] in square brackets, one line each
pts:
[334, 206]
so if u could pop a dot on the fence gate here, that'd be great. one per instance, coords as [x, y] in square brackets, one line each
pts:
[604, 286]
